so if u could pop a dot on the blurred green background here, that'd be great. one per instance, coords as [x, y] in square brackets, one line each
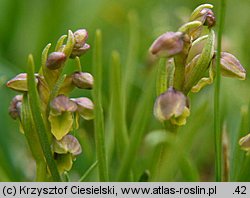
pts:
[26, 26]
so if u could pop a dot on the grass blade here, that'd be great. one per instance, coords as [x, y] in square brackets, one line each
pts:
[98, 110]
[90, 169]
[118, 111]
[133, 49]
[38, 120]
[217, 124]
[239, 158]
[142, 115]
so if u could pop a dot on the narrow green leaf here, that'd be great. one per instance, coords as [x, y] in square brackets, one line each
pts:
[198, 40]
[217, 117]
[44, 58]
[189, 25]
[90, 169]
[70, 44]
[133, 48]
[58, 85]
[60, 42]
[3, 175]
[33, 140]
[55, 90]
[238, 156]
[197, 71]
[98, 110]
[50, 76]
[118, 111]
[188, 169]
[141, 117]
[78, 64]
[38, 120]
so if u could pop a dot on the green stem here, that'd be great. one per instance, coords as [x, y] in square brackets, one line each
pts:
[41, 171]
[33, 140]
[157, 160]
[217, 127]
[179, 73]
[98, 111]
[169, 127]
[180, 63]
[38, 121]
[90, 169]
[161, 79]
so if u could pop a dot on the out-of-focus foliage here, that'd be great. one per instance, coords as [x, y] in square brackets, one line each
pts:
[28, 25]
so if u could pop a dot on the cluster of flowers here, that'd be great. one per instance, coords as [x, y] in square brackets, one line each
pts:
[60, 113]
[190, 67]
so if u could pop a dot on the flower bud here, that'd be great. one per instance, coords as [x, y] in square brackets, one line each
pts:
[244, 143]
[230, 66]
[61, 104]
[168, 44]
[79, 51]
[55, 60]
[85, 107]
[19, 82]
[205, 16]
[198, 11]
[172, 105]
[15, 106]
[80, 36]
[210, 19]
[83, 80]
[68, 144]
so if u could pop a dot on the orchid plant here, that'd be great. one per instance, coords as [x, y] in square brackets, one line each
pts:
[47, 115]
[186, 68]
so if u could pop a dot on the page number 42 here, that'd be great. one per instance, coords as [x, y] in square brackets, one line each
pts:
[240, 190]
